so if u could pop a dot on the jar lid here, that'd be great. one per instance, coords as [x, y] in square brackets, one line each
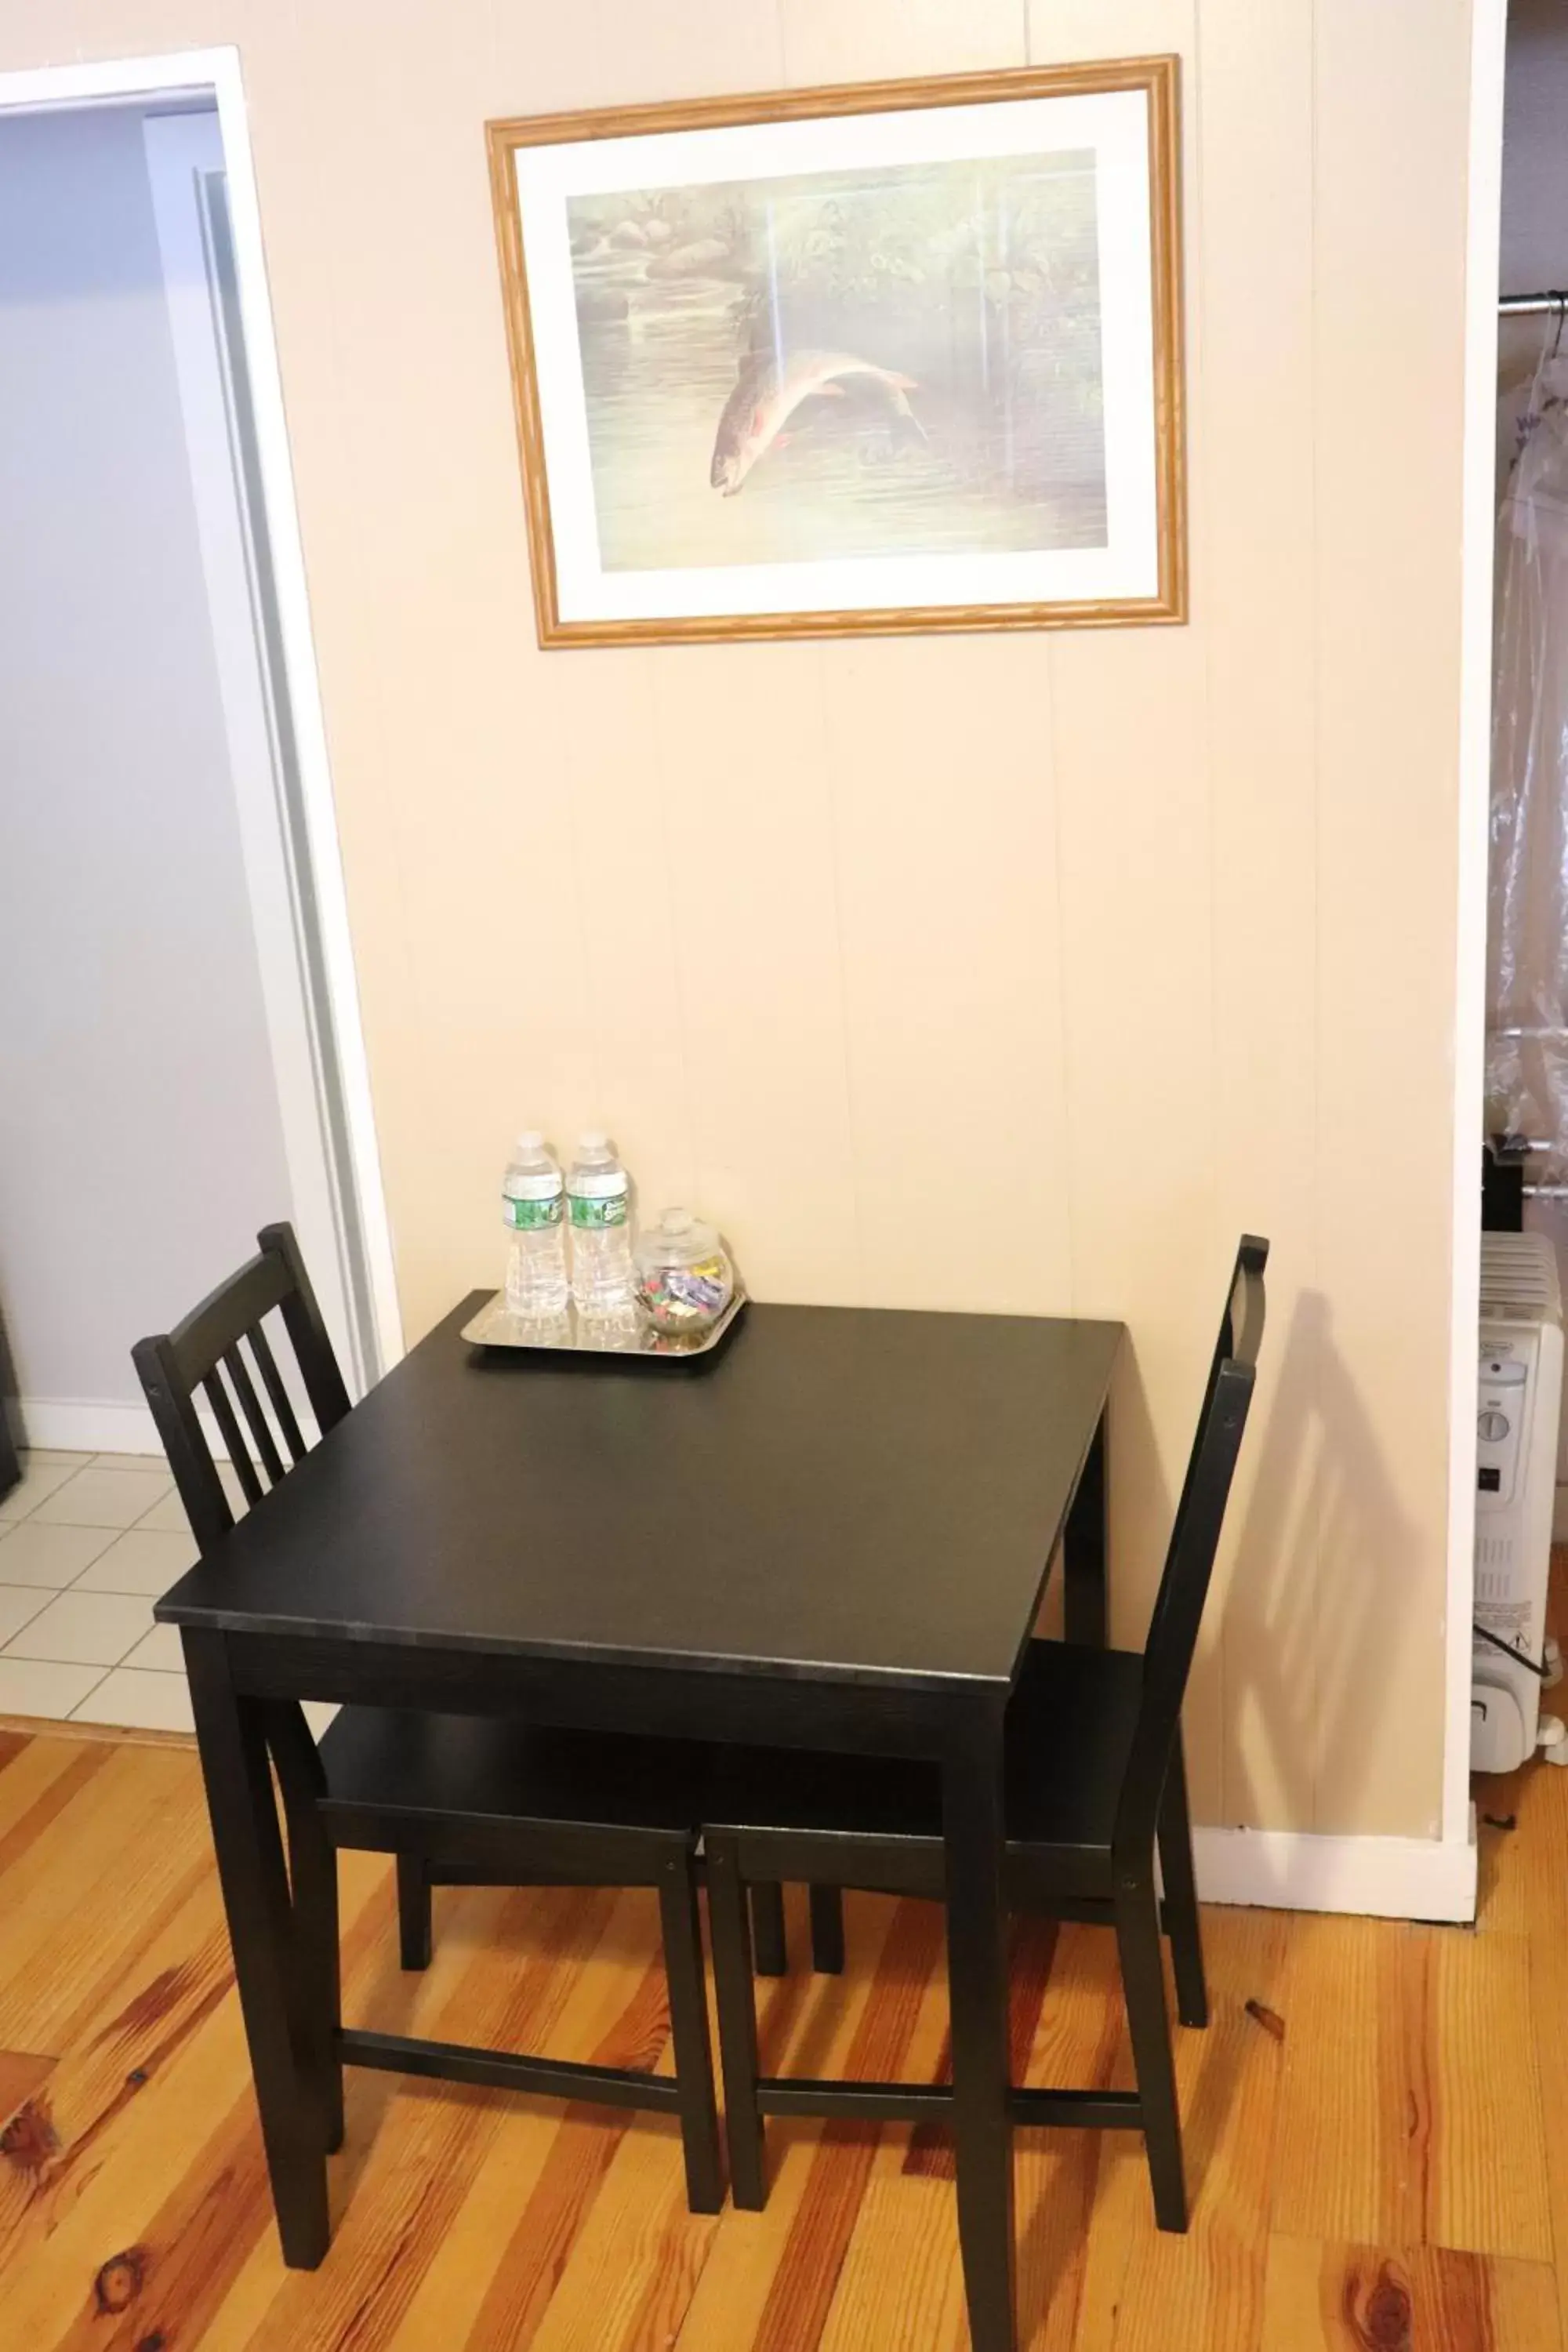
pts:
[679, 1239]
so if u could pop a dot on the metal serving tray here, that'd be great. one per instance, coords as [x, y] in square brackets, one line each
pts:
[495, 1326]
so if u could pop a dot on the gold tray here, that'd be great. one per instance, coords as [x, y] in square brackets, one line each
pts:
[495, 1326]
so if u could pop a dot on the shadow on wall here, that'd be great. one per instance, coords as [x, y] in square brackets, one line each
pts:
[1323, 1537]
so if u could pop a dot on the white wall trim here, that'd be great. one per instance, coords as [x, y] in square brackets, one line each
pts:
[89, 1425]
[184, 152]
[214, 75]
[1388, 1877]
[172, 74]
[1487, 58]
[106, 1425]
[324, 847]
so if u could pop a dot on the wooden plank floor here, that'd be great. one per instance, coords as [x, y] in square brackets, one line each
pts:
[1367, 2122]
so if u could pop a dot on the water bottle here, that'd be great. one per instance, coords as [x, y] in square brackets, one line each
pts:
[533, 1206]
[598, 1194]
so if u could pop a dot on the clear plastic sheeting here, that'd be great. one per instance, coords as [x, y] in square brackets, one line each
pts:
[1527, 947]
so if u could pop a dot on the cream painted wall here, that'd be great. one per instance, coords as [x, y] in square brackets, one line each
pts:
[1014, 973]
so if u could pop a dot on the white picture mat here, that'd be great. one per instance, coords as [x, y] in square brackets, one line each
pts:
[1114, 124]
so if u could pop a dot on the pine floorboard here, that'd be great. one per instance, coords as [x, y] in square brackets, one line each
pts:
[1376, 2121]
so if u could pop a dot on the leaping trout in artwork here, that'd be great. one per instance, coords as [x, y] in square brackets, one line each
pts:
[765, 397]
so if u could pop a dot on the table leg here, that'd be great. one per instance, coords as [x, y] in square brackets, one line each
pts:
[977, 1978]
[313, 1912]
[244, 1814]
[1085, 1551]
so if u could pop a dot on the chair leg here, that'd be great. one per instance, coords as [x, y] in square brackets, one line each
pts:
[689, 2028]
[827, 1930]
[1143, 1982]
[737, 2025]
[314, 1866]
[770, 1953]
[1180, 1895]
[414, 1925]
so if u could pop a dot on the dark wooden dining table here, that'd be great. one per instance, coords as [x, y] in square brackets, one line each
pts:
[835, 1533]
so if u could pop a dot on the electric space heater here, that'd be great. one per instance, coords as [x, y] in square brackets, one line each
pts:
[1518, 1407]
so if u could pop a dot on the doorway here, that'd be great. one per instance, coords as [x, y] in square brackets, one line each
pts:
[184, 1043]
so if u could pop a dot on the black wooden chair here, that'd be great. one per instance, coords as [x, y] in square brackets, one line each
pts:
[1095, 1781]
[468, 1798]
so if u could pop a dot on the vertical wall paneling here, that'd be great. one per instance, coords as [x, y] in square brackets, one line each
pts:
[945, 841]
[1129, 721]
[944, 846]
[1161, 922]
[1252, 282]
[1389, 239]
[747, 779]
[878, 40]
[99, 28]
[1064, 31]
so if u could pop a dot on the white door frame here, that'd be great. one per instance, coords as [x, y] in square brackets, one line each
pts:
[308, 1117]
[188, 172]
[1489, 47]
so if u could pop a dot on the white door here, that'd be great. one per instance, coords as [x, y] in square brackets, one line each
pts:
[187, 167]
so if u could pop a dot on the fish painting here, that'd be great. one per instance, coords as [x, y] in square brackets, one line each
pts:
[706, 255]
[765, 397]
[924, 337]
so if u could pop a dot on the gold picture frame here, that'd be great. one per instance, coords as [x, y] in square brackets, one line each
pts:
[1152, 526]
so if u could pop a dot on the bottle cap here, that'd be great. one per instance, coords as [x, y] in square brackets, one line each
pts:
[593, 1143]
[531, 1139]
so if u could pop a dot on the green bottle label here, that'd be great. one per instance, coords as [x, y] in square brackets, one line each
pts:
[529, 1216]
[593, 1216]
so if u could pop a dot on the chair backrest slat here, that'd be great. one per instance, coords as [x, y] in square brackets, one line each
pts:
[203, 1355]
[1195, 1541]
[255, 1421]
[223, 1413]
[272, 1382]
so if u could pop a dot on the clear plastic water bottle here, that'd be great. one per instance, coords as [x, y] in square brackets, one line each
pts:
[598, 1195]
[534, 1208]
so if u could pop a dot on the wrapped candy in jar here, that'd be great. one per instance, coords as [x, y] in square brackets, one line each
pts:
[685, 1279]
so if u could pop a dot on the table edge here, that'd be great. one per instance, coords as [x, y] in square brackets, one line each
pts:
[232, 1625]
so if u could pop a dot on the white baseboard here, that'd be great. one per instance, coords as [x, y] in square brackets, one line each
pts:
[1292, 1870]
[83, 1425]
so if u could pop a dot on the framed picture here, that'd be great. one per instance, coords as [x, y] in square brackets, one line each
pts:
[894, 356]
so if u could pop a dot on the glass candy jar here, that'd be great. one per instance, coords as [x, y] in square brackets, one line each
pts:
[685, 1279]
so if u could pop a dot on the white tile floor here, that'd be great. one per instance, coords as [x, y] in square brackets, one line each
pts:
[87, 1544]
